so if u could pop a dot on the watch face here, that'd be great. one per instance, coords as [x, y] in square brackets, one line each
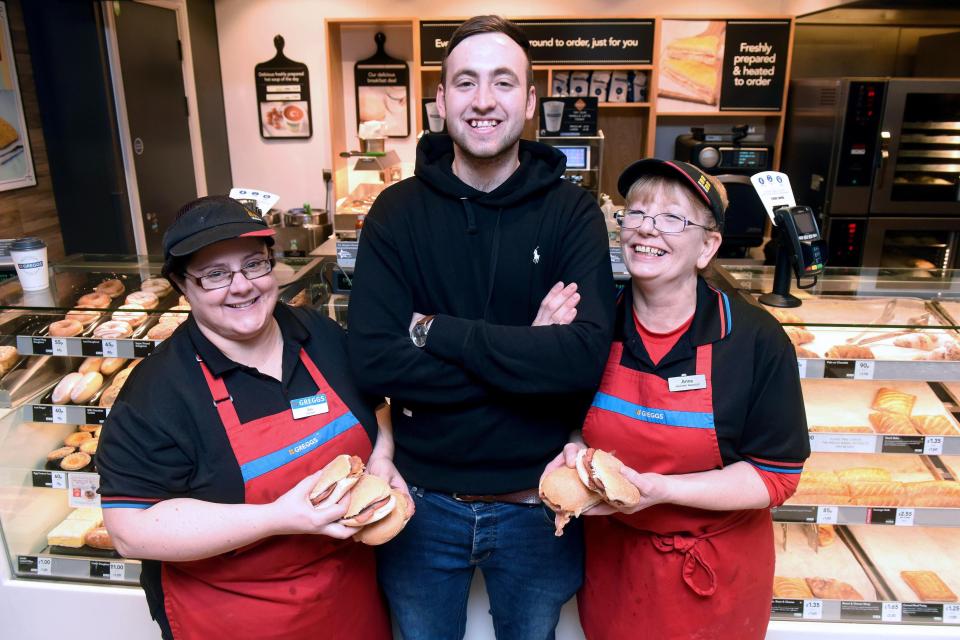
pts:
[420, 334]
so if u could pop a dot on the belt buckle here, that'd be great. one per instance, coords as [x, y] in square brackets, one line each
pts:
[456, 496]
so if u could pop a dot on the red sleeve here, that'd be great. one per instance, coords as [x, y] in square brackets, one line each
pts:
[780, 478]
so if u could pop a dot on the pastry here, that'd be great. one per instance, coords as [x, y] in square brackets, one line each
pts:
[90, 446]
[134, 363]
[849, 352]
[70, 533]
[830, 589]
[799, 335]
[8, 358]
[840, 429]
[113, 330]
[55, 456]
[928, 586]
[145, 299]
[785, 316]
[806, 353]
[132, 314]
[108, 397]
[61, 392]
[935, 425]
[86, 318]
[111, 365]
[932, 493]
[94, 300]
[91, 514]
[894, 401]
[157, 286]
[793, 588]
[173, 317]
[877, 494]
[864, 474]
[77, 438]
[90, 364]
[891, 423]
[161, 331]
[112, 288]
[826, 533]
[75, 461]
[820, 482]
[922, 341]
[697, 80]
[820, 498]
[8, 134]
[89, 428]
[65, 328]
[121, 377]
[86, 387]
[98, 538]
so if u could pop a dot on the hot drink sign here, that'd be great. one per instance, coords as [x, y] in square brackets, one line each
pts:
[283, 96]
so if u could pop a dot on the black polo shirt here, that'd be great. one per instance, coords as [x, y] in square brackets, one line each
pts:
[759, 415]
[164, 438]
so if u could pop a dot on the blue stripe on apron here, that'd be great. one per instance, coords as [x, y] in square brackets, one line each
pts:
[691, 419]
[277, 459]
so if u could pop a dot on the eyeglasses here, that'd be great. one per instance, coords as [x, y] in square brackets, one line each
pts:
[662, 222]
[220, 278]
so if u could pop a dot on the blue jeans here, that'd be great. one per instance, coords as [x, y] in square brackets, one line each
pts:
[530, 573]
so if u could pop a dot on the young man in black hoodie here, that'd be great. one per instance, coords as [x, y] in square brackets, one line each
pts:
[483, 307]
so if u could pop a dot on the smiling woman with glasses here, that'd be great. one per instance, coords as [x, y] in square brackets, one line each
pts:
[701, 401]
[210, 454]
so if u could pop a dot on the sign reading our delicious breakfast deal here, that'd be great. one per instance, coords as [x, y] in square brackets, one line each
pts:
[283, 96]
[580, 42]
[754, 65]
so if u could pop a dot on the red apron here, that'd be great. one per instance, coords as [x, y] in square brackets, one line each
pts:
[293, 586]
[670, 571]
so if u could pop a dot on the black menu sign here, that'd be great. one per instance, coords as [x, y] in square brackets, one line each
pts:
[568, 117]
[754, 65]
[283, 96]
[586, 42]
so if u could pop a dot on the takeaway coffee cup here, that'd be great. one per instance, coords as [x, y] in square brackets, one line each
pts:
[552, 115]
[30, 259]
[434, 119]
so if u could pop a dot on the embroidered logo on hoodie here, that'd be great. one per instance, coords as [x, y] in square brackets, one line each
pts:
[536, 255]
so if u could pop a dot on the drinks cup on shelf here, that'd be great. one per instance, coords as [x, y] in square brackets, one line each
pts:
[552, 115]
[30, 260]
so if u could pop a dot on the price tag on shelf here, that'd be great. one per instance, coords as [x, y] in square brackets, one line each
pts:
[41, 346]
[904, 518]
[891, 612]
[143, 348]
[812, 609]
[91, 347]
[802, 366]
[932, 445]
[951, 613]
[100, 569]
[59, 347]
[118, 570]
[863, 370]
[59, 414]
[110, 349]
[58, 479]
[44, 566]
[827, 515]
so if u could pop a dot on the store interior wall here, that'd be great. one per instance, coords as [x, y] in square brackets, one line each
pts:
[30, 210]
[292, 168]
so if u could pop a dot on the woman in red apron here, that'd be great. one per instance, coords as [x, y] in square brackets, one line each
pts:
[707, 420]
[211, 450]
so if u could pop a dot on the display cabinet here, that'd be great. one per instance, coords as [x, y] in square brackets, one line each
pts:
[871, 536]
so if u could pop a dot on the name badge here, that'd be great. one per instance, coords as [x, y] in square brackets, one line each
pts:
[309, 406]
[687, 383]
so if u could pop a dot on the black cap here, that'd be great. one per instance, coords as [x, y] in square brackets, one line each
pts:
[684, 173]
[211, 219]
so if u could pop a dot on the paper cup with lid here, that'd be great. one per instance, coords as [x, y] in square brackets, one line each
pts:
[30, 260]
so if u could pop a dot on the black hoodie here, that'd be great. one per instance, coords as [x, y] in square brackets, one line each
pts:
[490, 400]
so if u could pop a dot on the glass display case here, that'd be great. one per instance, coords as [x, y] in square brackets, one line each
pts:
[871, 536]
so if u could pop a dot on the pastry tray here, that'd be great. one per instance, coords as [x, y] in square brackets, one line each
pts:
[847, 404]
[83, 551]
[802, 558]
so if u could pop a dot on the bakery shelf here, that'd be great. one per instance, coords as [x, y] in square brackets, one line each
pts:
[932, 370]
[876, 516]
[85, 347]
[78, 414]
[55, 566]
[876, 443]
[885, 612]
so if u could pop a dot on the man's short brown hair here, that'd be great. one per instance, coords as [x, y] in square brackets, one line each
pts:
[488, 24]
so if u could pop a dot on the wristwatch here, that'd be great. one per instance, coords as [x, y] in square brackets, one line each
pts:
[419, 331]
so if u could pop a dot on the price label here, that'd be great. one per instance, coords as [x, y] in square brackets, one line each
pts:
[802, 367]
[58, 479]
[863, 370]
[812, 609]
[933, 445]
[100, 569]
[827, 515]
[96, 415]
[143, 348]
[41, 346]
[59, 414]
[118, 571]
[842, 369]
[891, 612]
[882, 515]
[904, 518]
[59, 347]
[951, 613]
[843, 443]
[110, 349]
[44, 566]
[26, 564]
[91, 347]
[42, 413]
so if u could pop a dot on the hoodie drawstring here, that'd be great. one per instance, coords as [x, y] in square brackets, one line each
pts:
[471, 217]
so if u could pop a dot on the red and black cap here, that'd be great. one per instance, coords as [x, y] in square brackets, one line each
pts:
[682, 172]
[211, 219]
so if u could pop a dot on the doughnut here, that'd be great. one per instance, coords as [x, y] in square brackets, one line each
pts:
[132, 314]
[98, 538]
[65, 328]
[89, 446]
[90, 364]
[86, 387]
[111, 365]
[76, 438]
[120, 378]
[86, 318]
[134, 363]
[157, 286]
[59, 454]
[161, 331]
[108, 397]
[8, 358]
[111, 287]
[113, 329]
[172, 314]
[94, 300]
[145, 299]
[61, 392]
[89, 428]
[75, 461]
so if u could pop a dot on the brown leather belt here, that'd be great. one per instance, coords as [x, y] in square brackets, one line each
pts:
[527, 496]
